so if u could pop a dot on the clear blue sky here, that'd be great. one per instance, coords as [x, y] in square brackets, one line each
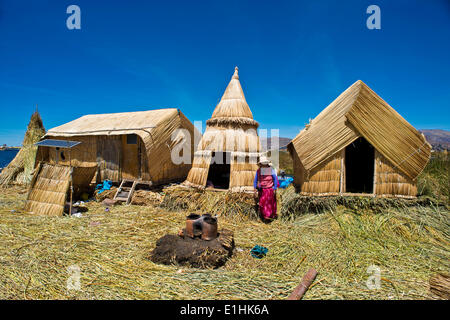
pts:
[294, 58]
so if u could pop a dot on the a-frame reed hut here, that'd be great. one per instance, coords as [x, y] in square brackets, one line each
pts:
[359, 145]
[227, 155]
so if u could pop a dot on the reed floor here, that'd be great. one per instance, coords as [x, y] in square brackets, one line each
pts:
[40, 256]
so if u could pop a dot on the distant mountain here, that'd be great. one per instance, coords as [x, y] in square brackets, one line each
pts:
[282, 143]
[439, 139]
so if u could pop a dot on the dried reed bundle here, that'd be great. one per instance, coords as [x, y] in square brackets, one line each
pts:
[21, 167]
[236, 204]
[294, 204]
[146, 198]
[440, 286]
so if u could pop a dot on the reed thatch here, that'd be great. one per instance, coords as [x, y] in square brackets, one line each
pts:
[402, 152]
[48, 190]
[440, 286]
[230, 129]
[20, 169]
[104, 143]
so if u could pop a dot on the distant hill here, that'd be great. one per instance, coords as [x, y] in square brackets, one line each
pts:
[282, 143]
[439, 139]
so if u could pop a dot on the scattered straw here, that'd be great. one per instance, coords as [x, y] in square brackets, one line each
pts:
[111, 250]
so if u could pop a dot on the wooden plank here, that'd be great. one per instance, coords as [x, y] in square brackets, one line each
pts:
[130, 194]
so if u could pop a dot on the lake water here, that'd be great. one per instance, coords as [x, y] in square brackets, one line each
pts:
[6, 156]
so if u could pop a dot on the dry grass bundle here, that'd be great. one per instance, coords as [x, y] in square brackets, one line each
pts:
[111, 252]
[234, 204]
[146, 198]
[440, 286]
[106, 194]
[294, 204]
[434, 180]
[21, 167]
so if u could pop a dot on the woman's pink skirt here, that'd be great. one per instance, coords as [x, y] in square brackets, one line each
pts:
[267, 203]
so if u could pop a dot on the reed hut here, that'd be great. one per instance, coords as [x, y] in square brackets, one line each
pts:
[359, 145]
[20, 169]
[130, 145]
[227, 154]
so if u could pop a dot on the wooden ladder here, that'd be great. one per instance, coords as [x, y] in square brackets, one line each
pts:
[125, 191]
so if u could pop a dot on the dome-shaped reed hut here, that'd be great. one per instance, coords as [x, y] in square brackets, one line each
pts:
[227, 154]
[359, 144]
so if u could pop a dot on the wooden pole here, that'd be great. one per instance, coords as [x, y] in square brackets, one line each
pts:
[71, 182]
[300, 290]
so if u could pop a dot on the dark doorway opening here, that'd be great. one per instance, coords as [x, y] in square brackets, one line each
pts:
[359, 166]
[219, 171]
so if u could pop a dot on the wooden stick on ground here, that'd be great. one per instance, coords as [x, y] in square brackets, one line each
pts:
[307, 280]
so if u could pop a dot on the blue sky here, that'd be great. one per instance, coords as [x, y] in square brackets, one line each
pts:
[294, 58]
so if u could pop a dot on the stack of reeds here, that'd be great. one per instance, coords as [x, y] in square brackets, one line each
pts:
[239, 205]
[20, 170]
[440, 286]
[294, 204]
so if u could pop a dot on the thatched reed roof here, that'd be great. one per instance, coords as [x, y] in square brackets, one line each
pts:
[231, 127]
[233, 107]
[357, 112]
[21, 167]
[113, 123]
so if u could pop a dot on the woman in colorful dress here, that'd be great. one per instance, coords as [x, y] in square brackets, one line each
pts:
[266, 183]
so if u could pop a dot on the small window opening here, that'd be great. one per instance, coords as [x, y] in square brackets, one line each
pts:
[131, 139]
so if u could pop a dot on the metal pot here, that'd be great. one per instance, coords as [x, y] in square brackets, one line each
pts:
[190, 220]
[209, 228]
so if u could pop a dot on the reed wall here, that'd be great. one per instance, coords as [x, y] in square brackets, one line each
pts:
[241, 140]
[324, 179]
[389, 180]
[329, 178]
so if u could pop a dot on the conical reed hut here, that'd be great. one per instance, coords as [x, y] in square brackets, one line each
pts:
[359, 144]
[227, 154]
[20, 169]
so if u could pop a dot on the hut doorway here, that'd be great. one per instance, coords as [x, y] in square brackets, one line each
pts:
[219, 170]
[359, 166]
[131, 158]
